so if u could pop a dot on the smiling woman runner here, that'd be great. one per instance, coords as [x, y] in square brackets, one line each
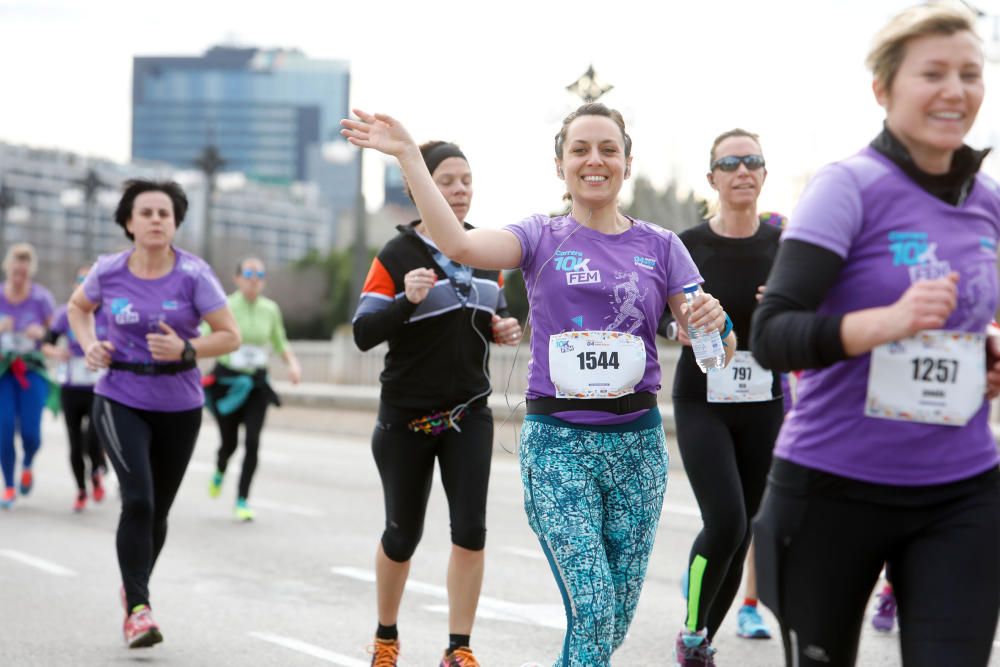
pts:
[593, 461]
[438, 317]
[882, 290]
[148, 406]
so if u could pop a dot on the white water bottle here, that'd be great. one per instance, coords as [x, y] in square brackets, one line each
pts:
[706, 345]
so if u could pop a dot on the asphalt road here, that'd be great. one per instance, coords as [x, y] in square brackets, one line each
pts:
[295, 587]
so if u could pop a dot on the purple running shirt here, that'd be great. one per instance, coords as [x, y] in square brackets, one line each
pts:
[891, 233]
[135, 307]
[579, 279]
[37, 308]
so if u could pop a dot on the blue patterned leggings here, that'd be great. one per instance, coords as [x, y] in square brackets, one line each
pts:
[593, 496]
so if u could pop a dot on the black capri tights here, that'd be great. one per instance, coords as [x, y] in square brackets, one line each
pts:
[405, 462]
[726, 449]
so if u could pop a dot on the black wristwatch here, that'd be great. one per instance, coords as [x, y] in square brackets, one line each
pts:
[189, 352]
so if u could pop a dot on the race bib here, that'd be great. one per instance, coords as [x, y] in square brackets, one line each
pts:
[16, 343]
[935, 377]
[248, 357]
[742, 381]
[595, 364]
[75, 372]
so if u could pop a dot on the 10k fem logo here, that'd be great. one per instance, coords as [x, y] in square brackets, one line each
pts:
[576, 267]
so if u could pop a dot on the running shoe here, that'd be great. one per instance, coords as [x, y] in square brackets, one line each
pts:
[215, 486]
[385, 652]
[460, 657]
[243, 511]
[97, 493]
[81, 501]
[750, 624]
[27, 481]
[8, 498]
[140, 629]
[693, 650]
[884, 616]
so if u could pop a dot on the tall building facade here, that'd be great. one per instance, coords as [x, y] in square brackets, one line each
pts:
[269, 112]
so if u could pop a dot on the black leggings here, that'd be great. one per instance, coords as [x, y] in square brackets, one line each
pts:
[150, 452]
[821, 546]
[405, 463]
[726, 449]
[76, 404]
[251, 414]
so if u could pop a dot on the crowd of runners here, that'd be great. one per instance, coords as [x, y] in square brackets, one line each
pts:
[875, 299]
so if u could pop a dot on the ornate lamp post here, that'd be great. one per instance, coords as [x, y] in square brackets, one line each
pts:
[588, 87]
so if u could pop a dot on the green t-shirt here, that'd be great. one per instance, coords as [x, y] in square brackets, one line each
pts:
[260, 325]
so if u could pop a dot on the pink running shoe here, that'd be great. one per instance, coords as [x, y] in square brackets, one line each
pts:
[7, 499]
[27, 481]
[98, 492]
[140, 629]
[81, 501]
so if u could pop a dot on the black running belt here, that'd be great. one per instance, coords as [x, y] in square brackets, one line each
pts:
[619, 406]
[153, 368]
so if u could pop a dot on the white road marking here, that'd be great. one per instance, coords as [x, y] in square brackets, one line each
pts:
[544, 615]
[200, 466]
[309, 649]
[41, 564]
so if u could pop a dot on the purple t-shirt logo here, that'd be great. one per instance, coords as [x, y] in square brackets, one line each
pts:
[122, 310]
[918, 254]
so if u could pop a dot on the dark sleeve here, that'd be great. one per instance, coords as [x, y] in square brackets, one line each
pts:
[786, 333]
[665, 319]
[375, 327]
[51, 337]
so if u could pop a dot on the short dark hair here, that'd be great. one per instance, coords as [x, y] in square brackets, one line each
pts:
[426, 152]
[135, 187]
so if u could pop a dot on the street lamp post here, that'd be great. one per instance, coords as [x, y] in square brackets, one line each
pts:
[359, 254]
[90, 183]
[588, 87]
[210, 161]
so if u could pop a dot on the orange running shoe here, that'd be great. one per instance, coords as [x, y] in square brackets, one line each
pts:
[460, 657]
[385, 652]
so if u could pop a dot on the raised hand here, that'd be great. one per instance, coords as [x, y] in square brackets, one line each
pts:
[925, 304]
[417, 283]
[167, 346]
[379, 131]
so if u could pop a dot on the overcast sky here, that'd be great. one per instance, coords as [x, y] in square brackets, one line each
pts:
[492, 77]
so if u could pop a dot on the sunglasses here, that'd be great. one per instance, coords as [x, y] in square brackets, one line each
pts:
[732, 162]
[248, 274]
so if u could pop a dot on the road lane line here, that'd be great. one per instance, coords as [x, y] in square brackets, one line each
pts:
[309, 649]
[545, 615]
[41, 564]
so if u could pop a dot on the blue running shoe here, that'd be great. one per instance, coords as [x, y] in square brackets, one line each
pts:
[750, 624]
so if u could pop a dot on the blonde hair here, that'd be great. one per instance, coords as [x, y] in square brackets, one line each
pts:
[889, 46]
[18, 253]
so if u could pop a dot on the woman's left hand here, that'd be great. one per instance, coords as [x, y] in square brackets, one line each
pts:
[506, 330]
[167, 346]
[379, 131]
[707, 313]
[34, 331]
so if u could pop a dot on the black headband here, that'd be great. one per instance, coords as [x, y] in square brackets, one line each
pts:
[440, 153]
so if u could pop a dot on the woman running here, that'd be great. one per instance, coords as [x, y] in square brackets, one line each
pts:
[883, 290]
[25, 312]
[593, 460]
[76, 398]
[238, 390]
[148, 406]
[438, 317]
[726, 422]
